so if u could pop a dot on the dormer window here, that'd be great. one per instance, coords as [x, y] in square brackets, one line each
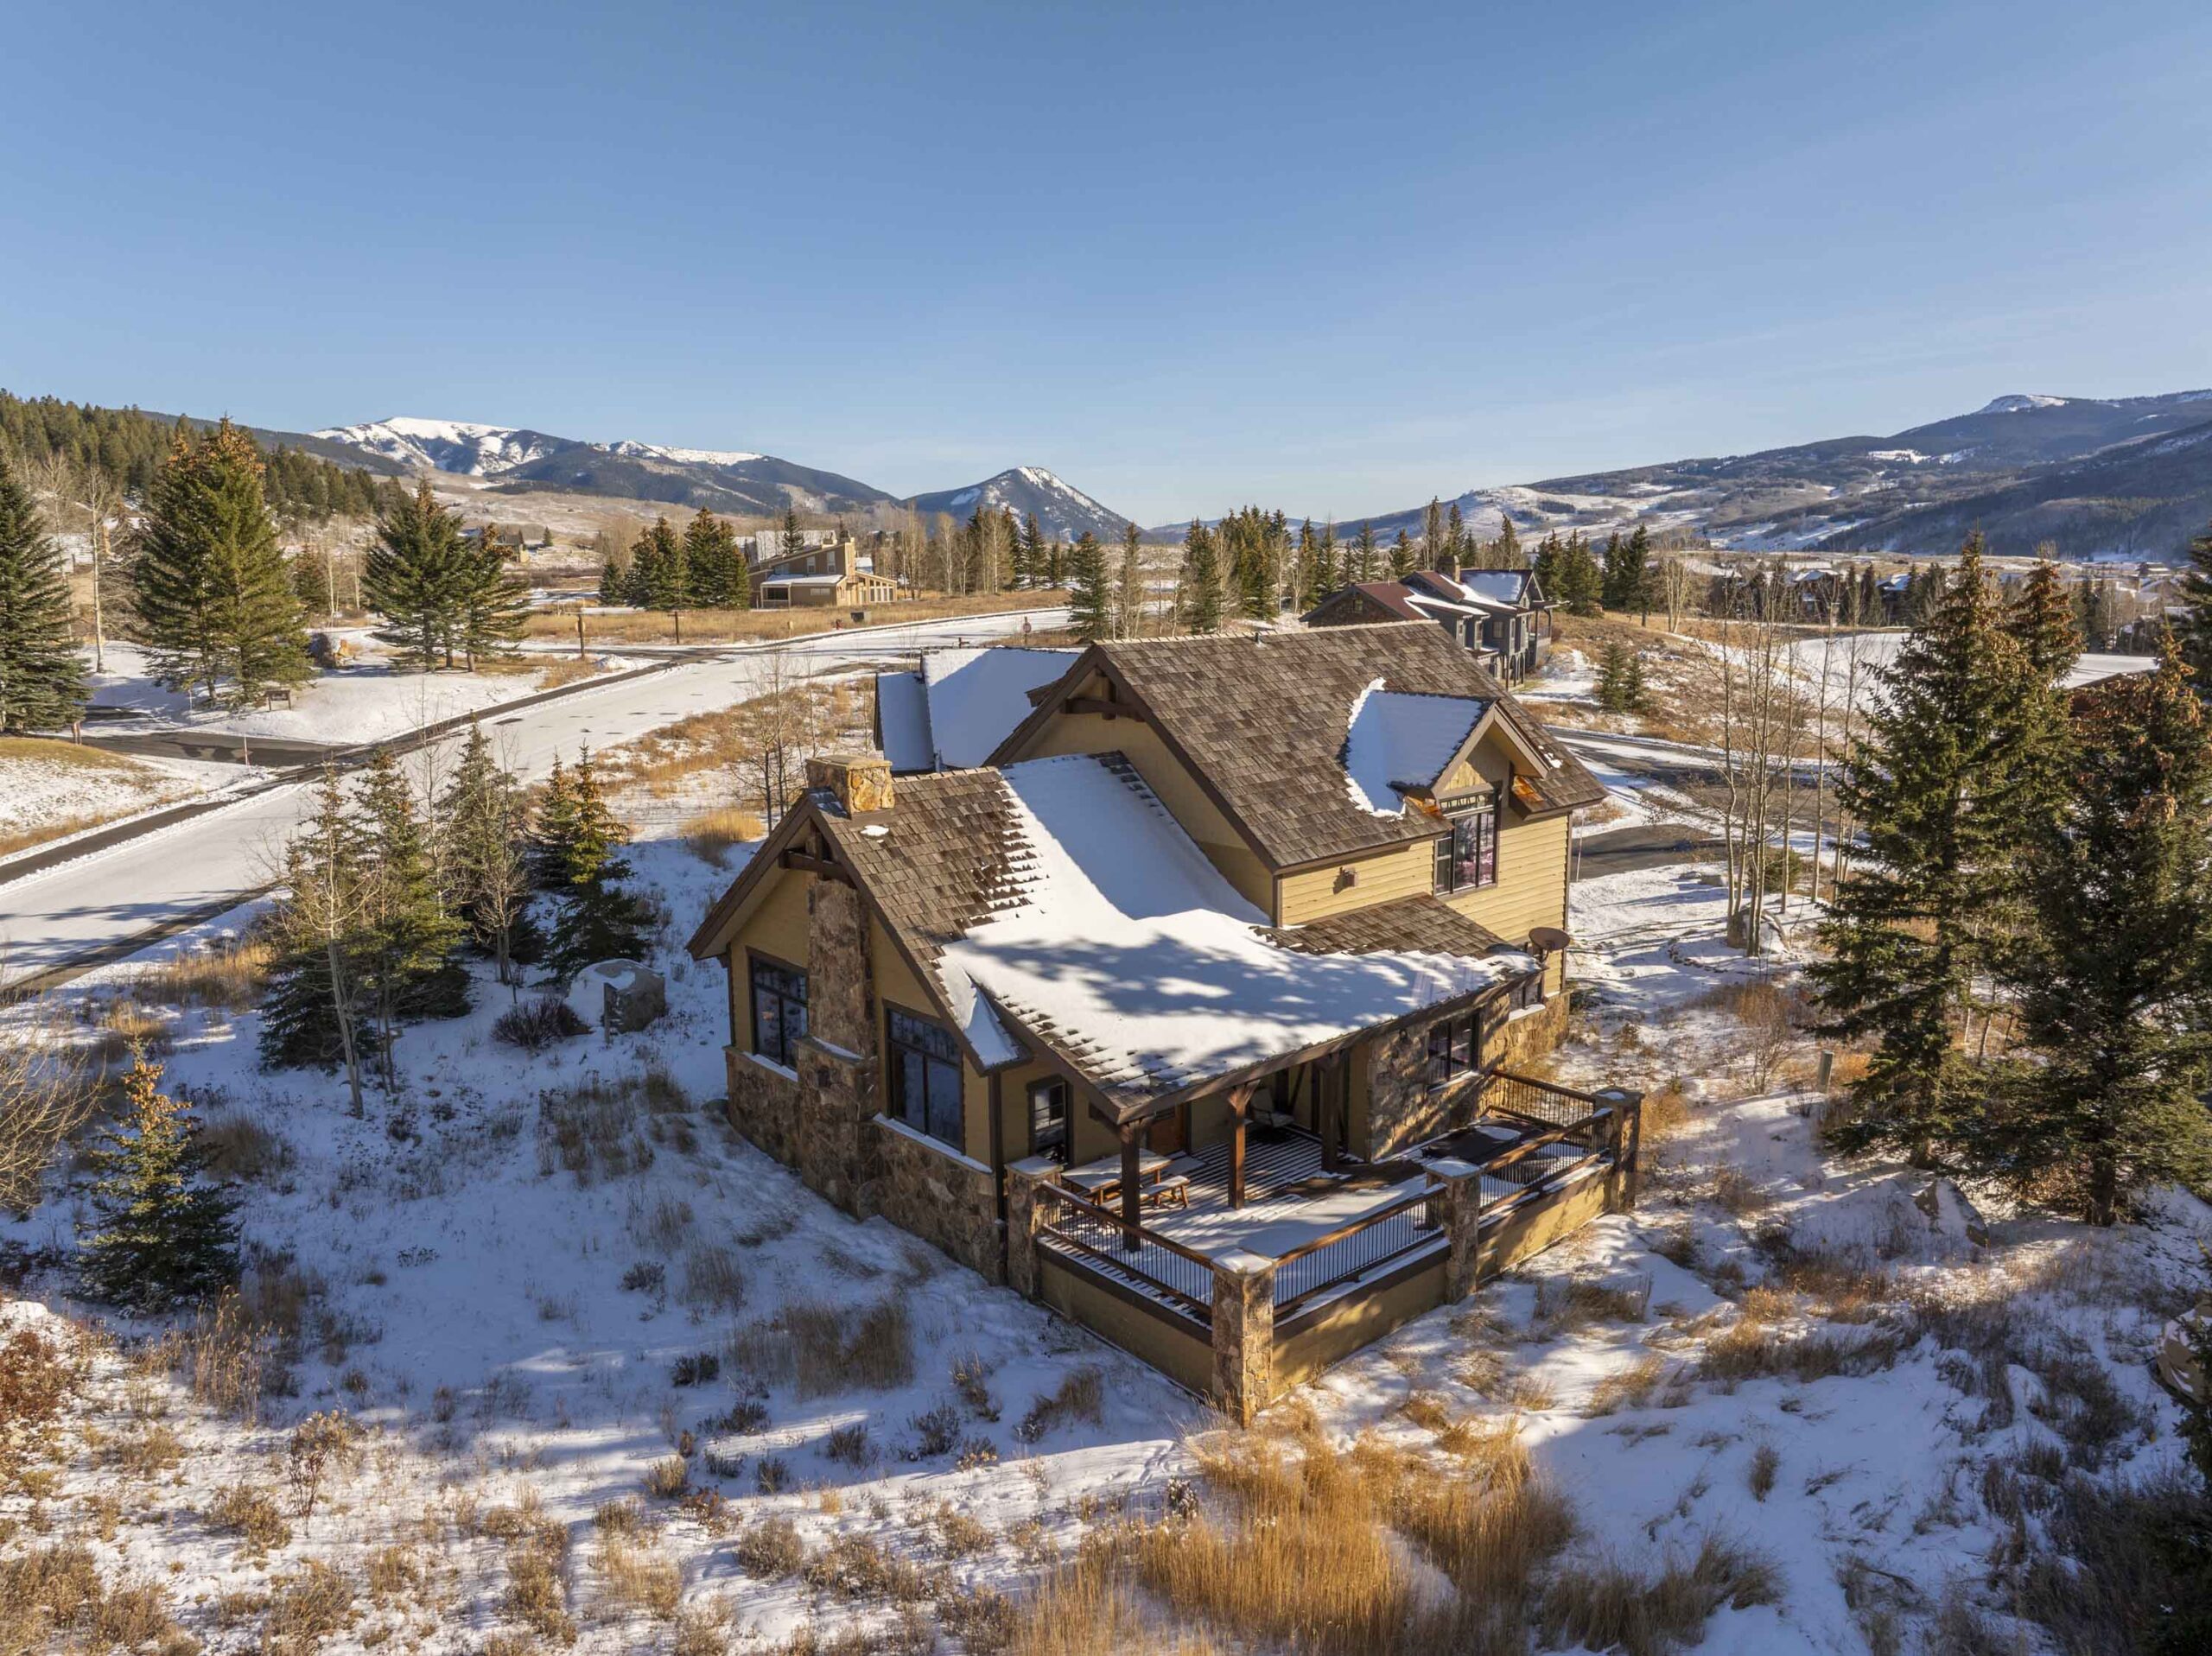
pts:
[1466, 858]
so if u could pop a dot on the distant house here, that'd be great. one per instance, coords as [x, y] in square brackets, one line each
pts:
[837, 573]
[959, 705]
[1500, 614]
[1198, 1012]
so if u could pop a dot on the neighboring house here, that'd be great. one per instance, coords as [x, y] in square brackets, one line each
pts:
[834, 573]
[1191, 1014]
[1500, 614]
[960, 704]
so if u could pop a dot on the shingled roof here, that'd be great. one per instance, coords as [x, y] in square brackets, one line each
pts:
[1264, 725]
[1402, 925]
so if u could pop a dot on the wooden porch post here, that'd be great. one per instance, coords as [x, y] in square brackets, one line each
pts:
[1132, 1198]
[1328, 1107]
[1240, 1111]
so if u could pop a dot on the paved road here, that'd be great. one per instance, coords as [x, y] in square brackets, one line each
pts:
[1645, 845]
[103, 904]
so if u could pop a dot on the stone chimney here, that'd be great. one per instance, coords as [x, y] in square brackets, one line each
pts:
[860, 782]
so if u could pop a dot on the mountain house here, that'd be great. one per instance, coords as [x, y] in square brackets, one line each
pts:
[1503, 615]
[1200, 1011]
[834, 571]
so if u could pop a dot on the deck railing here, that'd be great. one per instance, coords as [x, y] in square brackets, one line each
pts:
[1158, 1265]
[1575, 1134]
[1366, 1244]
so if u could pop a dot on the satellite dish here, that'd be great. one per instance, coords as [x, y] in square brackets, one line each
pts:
[1549, 940]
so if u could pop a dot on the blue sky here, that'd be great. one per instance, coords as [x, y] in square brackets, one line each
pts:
[1337, 259]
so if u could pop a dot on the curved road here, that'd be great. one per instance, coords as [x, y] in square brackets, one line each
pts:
[112, 901]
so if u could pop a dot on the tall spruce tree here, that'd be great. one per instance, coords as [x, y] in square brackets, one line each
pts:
[711, 562]
[215, 600]
[1581, 587]
[2196, 596]
[488, 879]
[314, 1011]
[413, 578]
[163, 1232]
[659, 579]
[1366, 561]
[1031, 554]
[1404, 559]
[409, 940]
[1199, 596]
[2112, 986]
[41, 680]
[1128, 593]
[614, 581]
[1944, 782]
[494, 604]
[576, 857]
[1089, 609]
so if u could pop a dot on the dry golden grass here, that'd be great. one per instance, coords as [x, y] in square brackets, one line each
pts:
[711, 833]
[1630, 1387]
[59, 1589]
[567, 670]
[635, 1578]
[819, 1349]
[228, 977]
[704, 626]
[1666, 1112]
[1609, 1607]
[306, 1608]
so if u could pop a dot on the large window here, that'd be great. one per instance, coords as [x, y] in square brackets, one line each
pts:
[1048, 1119]
[778, 1009]
[925, 1076]
[1467, 857]
[1455, 1047]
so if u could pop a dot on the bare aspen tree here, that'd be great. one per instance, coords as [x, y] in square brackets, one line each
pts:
[45, 1096]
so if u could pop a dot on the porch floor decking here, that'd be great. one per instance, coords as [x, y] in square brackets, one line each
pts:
[1288, 1201]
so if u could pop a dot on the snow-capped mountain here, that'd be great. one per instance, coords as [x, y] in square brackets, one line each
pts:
[2092, 473]
[1063, 511]
[516, 460]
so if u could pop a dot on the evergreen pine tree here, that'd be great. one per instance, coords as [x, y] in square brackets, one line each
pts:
[314, 1011]
[1620, 678]
[1366, 561]
[577, 857]
[710, 561]
[41, 680]
[1455, 541]
[415, 578]
[662, 576]
[407, 966]
[487, 827]
[614, 582]
[2196, 630]
[2111, 988]
[1033, 558]
[163, 1234]
[1089, 609]
[1628, 574]
[1200, 596]
[1333, 573]
[214, 597]
[791, 537]
[1508, 543]
[1581, 587]
[1944, 789]
[1549, 563]
[1403, 559]
[1128, 597]
[493, 605]
[1870, 597]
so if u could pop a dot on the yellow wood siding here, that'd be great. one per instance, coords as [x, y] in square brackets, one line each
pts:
[775, 924]
[1531, 889]
[1405, 871]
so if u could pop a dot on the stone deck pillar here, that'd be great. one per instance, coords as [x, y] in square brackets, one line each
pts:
[1461, 1200]
[1025, 1211]
[1623, 1137]
[1243, 1334]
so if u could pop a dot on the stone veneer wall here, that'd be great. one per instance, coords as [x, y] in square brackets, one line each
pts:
[1401, 1111]
[943, 1199]
[822, 1123]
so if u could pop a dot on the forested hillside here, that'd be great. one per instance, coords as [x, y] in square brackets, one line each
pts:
[127, 445]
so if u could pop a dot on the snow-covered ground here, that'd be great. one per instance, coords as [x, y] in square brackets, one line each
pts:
[507, 1273]
[1835, 651]
[367, 701]
[48, 919]
[43, 788]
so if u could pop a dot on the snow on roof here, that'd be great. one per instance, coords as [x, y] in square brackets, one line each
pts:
[1396, 741]
[1125, 947]
[902, 716]
[800, 581]
[976, 697]
[1499, 586]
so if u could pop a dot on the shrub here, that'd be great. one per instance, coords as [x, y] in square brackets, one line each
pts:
[771, 1550]
[1632, 1386]
[713, 1278]
[1078, 1397]
[306, 1608]
[36, 1381]
[1608, 1606]
[667, 1478]
[699, 1368]
[1766, 1461]
[848, 1445]
[821, 1349]
[935, 1433]
[769, 1475]
[537, 1023]
[744, 1416]
[317, 1444]
[636, 1579]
